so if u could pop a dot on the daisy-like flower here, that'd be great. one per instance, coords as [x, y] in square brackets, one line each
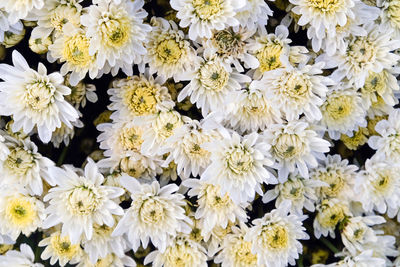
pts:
[203, 17]
[297, 90]
[156, 214]
[338, 175]
[138, 96]
[78, 201]
[390, 18]
[25, 166]
[181, 252]
[330, 212]
[210, 84]
[378, 187]
[60, 248]
[363, 54]
[168, 53]
[249, 109]
[238, 166]
[34, 98]
[72, 49]
[343, 111]
[235, 250]
[214, 209]
[53, 16]
[20, 9]
[387, 143]
[116, 33]
[24, 257]
[185, 148]
[232, 46]
[254, 14]
[275, 237]
[293, 145]
[19, 212]
[111, 260]
[299, 191]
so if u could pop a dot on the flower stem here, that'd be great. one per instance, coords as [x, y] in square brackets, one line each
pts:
[62, 156]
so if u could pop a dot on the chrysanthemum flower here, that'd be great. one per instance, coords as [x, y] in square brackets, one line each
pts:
[111, 260]
[78, 201]
[275, 237]
[34, 98]
[390, 17]
[254, 14]
[156, 214]
[20, 9]
[24, 257]
[116, 33]
[5, 25]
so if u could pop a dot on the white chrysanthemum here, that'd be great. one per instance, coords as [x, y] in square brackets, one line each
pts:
[181, 252]
[214, 209]
[238, 166]
[156, 214]
[384, 248]
[80, 93]
[330, 212]
[22, 258]
[299, 191]
[297, 90]
[378, 187]
[185, 148]
[390, 16]
[293, 145]
[275, 237]
[249, 109]
[203, 17]
[387, 143]
[34, 98]
[116, 33]
[64, 134]
[366, 258]
[215, 238]
[357, 233]
[235, 250]
[19, 212]
[168, 53]
[54, 15]
[72, 49]
[138, 96]
[363, 54]
[210, 84]
[24, 165]
[5, 25]
[79, 201]
[232, 46]
[60, 248]
[103, 244]
[254, 14]
[338, 175]
[19, 9]
[111, 260]
[343, 111]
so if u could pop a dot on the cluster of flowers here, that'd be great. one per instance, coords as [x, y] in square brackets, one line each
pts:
[270, 117]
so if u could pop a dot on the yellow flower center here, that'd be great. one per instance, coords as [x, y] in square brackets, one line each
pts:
[359, 138]
[207, 9]
[339, 107]
[62, 15]
[20, 211]
[361, 52]
[242, 253]
[375, 83]
[19, 161]
[383, 182]
[132, 167]
[131, 138]
[228, 43]
[152, 211]
[84, 200]
[325, 6]
[115, 32]
[105, 262]
[329, 217]
[166, 123]
[39, 95]
[269, 57]
[275, 236]
[239, 160]
[213, 198]
[76, 51]
[213, 76]
[393, 12]
[335, 180]
[169, 51]
[62, 246]
[289, 146]
[292, 189]
[295, 86]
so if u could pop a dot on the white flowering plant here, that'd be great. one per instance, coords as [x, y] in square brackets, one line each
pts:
[194, 133]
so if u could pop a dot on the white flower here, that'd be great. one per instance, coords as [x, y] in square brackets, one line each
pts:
[111, 260]
[238, 166]
[343, 111]
[297, 90]
[5, 25]
[203, 17]
[295, 145]
[78, 201]
[20, 9]
[235, 250]
[34, 98]
[19, 212]
[22, 258]
[299, 191]
[390, 18]
[214, 209]
[275, 237]
[156, 214]
[387, 144]
[168, 53]
[338, 175]
[366, 258]
[25, 166]
[363, 54]
[116, 33]
[181, 252]
[254, 14]
[210, 84]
